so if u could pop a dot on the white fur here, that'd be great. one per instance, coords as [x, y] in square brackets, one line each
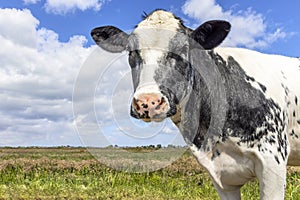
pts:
[153, 34]
[161, 19]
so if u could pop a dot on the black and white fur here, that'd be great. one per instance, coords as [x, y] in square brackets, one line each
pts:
[238, 110]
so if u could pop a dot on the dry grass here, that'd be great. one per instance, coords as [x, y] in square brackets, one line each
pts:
[73, 173]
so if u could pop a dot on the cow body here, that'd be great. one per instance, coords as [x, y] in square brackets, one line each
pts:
[260, 135]
[237, 109]
[277, 77]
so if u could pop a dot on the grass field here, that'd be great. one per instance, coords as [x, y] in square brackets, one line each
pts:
[73, 173]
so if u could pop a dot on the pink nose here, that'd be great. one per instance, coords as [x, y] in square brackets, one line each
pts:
[149, 105]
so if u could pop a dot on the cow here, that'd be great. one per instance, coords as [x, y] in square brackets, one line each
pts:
[237, 109]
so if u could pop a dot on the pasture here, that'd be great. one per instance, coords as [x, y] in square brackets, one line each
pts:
[73, 173]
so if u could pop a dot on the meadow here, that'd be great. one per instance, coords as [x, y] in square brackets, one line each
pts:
[73, 173]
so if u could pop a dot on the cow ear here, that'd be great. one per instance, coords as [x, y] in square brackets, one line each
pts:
[110, 38]
[211, 33]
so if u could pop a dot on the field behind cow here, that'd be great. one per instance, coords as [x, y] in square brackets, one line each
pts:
[73, 173]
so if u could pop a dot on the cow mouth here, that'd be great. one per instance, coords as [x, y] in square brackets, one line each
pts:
[154, 118]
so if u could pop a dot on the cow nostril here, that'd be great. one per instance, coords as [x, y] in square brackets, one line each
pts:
[162, 101]
[150, 105]
[135, 104]
[161, 104]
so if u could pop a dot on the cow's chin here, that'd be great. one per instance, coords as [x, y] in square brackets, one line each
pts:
[154, 119]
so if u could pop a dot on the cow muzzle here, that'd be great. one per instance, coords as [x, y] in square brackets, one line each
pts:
[150, 107]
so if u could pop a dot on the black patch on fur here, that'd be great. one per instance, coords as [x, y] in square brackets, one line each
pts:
[283, 75]
[296, 100]
[173, 101]
[135, 62]
[264, 89]
[174, 73]
[248, 107]
[215, 154]
[293, 134]
[249, 78]
[286, 89]
[248, 110]
[277, 160]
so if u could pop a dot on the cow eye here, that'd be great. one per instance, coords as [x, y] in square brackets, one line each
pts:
[178, 62]
[174, 56]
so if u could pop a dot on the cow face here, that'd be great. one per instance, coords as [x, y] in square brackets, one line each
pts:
[159, 59]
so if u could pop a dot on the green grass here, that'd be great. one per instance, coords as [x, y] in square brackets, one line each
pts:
[72, 173]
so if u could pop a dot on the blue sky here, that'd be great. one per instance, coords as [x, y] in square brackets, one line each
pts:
[45, 46]
[126, 14]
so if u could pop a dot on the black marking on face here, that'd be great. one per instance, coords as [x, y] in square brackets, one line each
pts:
[174, 72]
[134, 58]
[298, 121]
[294, 113]
[180, 64]
[296, 100]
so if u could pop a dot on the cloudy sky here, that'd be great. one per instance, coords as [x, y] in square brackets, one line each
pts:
[58, 88]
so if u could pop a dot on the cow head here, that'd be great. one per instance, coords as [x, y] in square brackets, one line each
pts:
[159, 49]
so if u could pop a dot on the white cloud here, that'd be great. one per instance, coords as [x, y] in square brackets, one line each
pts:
[30, 1]
[249, 28]
[37, 76]
[65, 6]
[18, 27]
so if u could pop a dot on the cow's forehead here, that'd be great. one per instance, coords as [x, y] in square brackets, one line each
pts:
[160, 19]
[157, 30]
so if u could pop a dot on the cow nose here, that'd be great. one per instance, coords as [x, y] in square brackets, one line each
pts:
[149, 105]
